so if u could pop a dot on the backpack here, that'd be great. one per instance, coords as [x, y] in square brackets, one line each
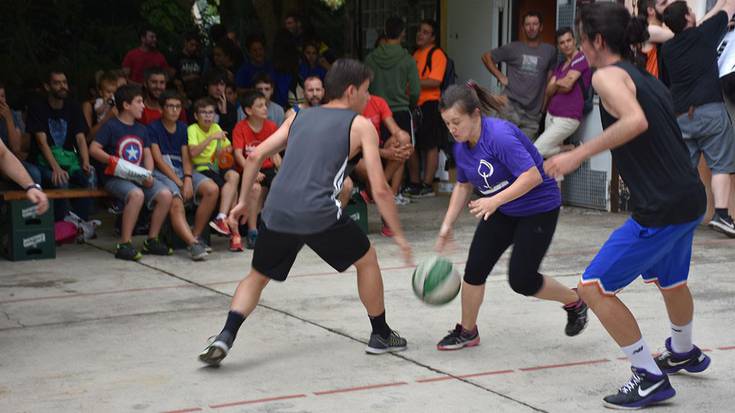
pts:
[450, 76]
[588, 94]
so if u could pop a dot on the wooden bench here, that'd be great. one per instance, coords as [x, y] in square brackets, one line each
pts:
[24, 235]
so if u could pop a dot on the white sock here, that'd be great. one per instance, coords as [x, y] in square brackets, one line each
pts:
[681, 338]
[221, 216]
[640, 356]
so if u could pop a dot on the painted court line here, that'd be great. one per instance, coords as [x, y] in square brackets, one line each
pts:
[359, 388]
[193, 409]
[268, 399]
[464, 376]
[556, 366]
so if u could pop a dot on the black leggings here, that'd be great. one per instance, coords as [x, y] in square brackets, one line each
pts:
[531, 237]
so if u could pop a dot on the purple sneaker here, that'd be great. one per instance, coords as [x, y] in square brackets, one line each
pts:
[641, 390]
[671, 362]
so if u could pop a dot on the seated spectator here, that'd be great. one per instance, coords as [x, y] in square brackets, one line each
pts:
[232, 98]
[190, 65]
[11, 168]
[122, 145]
[59, 147]
[227, 57]
[254, 64]
[155, 83]
[394, 150]
[565, 96]
[170, 150]
[215, 82]
[211, 154]
[143, 57]
[248, 134]
[310, 65]
[102, 108]
[12, 136]
[313, 96]
[264, 85]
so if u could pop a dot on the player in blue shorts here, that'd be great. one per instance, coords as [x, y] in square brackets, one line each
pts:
[668, 203]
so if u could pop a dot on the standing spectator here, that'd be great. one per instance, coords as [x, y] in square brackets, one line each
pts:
[395, 77]
[565, 94]
[215, 82]
[122, 144]
[208, 147]
[170, 150]
[310, 65]
[248, 134]
[102, 108]
[190, 65]
[145, 56]
[59, 147]
[529, 65]
[658, 34]
[689, 68]
[264, 85]
[289, 86]
[313, 96]
[254, 64]
[431, 63]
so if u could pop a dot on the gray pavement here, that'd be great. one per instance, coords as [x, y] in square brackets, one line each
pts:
[86, 332]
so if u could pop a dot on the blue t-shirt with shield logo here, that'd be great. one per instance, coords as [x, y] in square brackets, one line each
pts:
[500, 156]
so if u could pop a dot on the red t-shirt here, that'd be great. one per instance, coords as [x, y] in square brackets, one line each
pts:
[376, 110]
[138, 61]
[152, 115]
[243, 137]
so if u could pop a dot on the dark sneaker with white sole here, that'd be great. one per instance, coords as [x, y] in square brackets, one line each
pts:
[576, 318]
[380, 345]
[723, 224]
[643, 389]
[671, 362]
[217, 349]
[459, 338]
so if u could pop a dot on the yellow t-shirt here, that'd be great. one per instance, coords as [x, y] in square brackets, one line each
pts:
[196, 136]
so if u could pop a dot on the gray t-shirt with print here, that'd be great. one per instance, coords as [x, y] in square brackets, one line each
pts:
[528, 69]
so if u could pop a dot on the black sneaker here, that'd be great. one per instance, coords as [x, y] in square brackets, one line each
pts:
[723, 224]
[426, 191]
[380, 345]
[459, 338]
[155, 246]
[127, 252]
[412, 190]
[694, 361]
[217, 349]
[641, 390]
[576, 318]
[251, 239]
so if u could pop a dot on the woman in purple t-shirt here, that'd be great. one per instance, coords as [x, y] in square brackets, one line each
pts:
[520, 206]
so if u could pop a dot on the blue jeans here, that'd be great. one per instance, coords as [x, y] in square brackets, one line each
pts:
[81, 206]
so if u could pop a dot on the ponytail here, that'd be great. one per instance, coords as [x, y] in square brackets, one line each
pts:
[469, 97]
[613, 22]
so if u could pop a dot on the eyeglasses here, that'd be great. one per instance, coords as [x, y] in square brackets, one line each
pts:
[172, 106]
[206, 112]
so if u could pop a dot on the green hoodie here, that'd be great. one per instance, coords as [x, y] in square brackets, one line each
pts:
[395, 77]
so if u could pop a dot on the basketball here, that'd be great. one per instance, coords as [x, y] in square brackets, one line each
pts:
[435, 281]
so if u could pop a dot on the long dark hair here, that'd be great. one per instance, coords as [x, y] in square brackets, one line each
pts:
[468, 97]
[616, 26]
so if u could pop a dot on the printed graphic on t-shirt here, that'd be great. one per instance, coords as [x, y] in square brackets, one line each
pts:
[57, 127]
[485, 170]
[530, 64]
[130, 148]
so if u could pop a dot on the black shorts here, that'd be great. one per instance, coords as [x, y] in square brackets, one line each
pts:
[403, 120]
[432, 132]
[217, 177]
[270, 174]
[340, 246]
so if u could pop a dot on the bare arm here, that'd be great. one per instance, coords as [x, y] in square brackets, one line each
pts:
[492, 67]
[198, 149]
[148, 159]
[617, 94]
[239, 157]
[13, 168]
[658, 34]
[98, 153]
[163, 166]
[566, 84]
[728, 6]
[83, 147]
[14, 136]
[88, 112]
[186, 160]
[460, 195]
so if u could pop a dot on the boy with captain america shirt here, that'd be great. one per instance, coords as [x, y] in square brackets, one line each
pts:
[123, 146]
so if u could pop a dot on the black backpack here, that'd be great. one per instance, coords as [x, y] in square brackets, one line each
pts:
[588, 94]
[450, 76]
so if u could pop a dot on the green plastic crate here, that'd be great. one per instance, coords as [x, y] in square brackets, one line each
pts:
[21, 215]
[357, 210]
[28, 244]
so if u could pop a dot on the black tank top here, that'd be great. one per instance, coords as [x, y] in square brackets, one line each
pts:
[664, 186]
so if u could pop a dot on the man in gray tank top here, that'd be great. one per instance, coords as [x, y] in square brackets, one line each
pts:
[303, 207]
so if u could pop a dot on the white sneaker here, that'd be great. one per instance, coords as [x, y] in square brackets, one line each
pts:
[723, 225]
[401, 200]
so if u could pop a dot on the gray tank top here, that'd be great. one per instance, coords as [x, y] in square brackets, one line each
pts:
[303, 196]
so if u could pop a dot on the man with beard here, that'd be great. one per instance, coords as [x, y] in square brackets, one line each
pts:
[145, 56]
[155, 84]
[313, 95]
[59, 146]
[529, 65]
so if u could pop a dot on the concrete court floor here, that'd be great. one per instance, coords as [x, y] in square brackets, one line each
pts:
[86, 332]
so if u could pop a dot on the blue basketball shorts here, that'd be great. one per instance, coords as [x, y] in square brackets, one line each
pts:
[661, 255]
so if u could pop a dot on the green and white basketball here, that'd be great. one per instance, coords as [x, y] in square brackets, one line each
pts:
[435, 281]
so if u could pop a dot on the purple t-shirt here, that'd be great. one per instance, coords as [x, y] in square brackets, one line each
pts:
[570, 105]
[501, 155]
